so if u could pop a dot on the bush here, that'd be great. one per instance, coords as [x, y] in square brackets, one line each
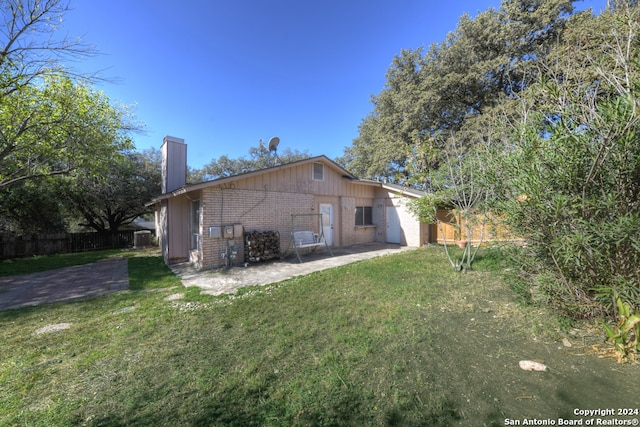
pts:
[571, 180]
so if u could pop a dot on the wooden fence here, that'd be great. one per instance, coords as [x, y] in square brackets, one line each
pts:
[47, 244]
[454, 228]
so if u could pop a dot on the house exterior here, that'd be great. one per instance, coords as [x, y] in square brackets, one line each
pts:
[205, 223]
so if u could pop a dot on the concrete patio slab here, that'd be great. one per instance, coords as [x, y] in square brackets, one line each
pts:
[229, 280]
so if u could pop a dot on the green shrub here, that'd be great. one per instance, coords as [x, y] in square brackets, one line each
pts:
[625, 334]
[569, 175]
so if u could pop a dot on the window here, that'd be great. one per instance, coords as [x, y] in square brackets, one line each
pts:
[195, 225]
[364, 215]
[318, 172]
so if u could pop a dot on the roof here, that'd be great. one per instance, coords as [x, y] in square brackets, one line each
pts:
[141, 224]
[322, 159]
[407, 191]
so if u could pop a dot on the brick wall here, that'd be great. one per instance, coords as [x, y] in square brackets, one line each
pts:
[352, 234]
[262, 210]
[348, 220]
[379, 218]
[253, 210]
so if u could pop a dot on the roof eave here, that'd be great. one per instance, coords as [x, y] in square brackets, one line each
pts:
[218, 181]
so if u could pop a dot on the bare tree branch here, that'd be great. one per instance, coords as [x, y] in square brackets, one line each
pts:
[28, 46]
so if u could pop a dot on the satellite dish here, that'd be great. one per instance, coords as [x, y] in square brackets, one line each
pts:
[273, 143]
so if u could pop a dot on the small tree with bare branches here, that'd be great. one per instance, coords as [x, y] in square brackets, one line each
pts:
[458, 187]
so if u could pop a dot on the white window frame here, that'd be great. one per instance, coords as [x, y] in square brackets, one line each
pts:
[196, 212]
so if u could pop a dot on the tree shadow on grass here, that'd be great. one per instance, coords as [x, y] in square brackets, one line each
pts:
[150, 273]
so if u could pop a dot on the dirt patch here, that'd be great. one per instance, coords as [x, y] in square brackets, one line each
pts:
[474, 359]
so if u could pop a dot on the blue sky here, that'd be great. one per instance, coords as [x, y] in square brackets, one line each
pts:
[223, 74]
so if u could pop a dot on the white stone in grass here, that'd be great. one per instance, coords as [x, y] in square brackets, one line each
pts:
[53, 328]
[125, 310]
[174, 297]
[530, 365]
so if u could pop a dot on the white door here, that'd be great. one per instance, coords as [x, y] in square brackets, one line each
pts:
[394, 234]
[326, 210]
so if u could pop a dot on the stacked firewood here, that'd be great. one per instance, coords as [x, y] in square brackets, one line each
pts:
[261, 245]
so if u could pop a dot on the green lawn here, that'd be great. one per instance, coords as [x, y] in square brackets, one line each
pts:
[397, 340]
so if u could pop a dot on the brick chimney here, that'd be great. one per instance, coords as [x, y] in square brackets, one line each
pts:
[174, 164]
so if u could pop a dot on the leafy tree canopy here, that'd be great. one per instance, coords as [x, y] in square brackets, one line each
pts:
[33, 207]
[116, 197]
[51, 121]
[428, 93]
[58, 127]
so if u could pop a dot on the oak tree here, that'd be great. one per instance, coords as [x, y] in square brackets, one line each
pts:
[116, 197]
[52, 122]
[441, 89]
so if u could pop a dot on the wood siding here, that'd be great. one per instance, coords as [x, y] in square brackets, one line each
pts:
[298, 179]
[176, 233]
[174, 163]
